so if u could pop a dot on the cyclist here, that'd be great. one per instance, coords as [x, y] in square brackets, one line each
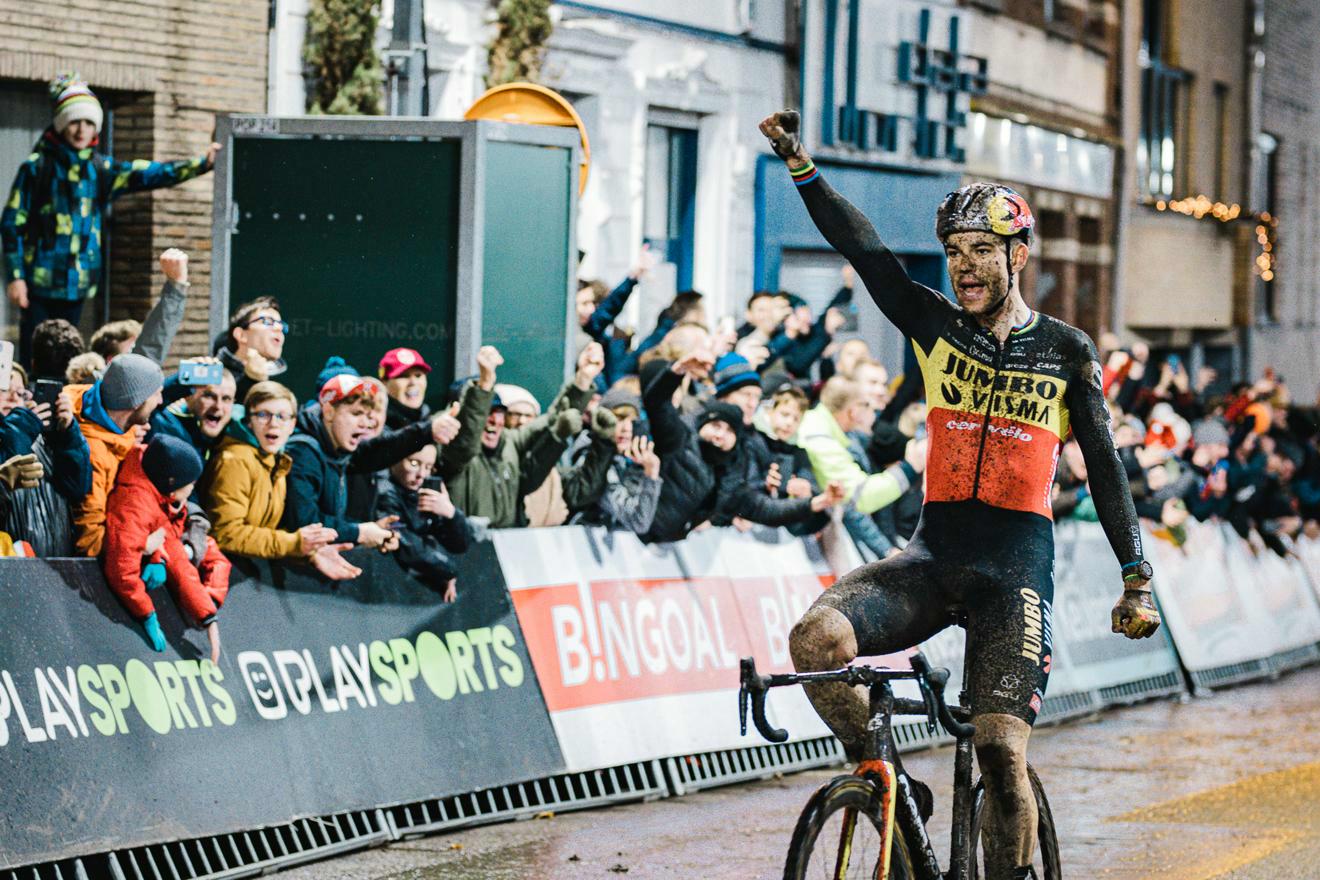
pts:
[1004, 385]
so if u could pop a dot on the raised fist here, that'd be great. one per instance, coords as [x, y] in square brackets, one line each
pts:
[782, 130]
[488, 361]
[174, 263]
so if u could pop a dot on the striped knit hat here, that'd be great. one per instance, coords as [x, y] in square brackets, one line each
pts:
[74, 101]
[732, 371]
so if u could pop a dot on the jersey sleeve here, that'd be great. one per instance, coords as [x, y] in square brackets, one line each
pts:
[1089, 417]
[914, 309]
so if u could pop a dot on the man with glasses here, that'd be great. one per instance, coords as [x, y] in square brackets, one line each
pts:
[197, 415]
[253, 350]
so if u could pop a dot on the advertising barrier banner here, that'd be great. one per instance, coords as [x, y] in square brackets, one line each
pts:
[325, 699]
[1308, 550]
[637, 646]
[1087, 586]
[1225, 605]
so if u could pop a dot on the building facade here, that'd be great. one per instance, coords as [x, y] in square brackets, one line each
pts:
[1285, 311]
[885, 86]
[671, 94]
[162, 72]
[1047, 125]
[1188, 243]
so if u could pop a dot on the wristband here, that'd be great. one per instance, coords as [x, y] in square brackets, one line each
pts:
[806, 174]
[1140, 570]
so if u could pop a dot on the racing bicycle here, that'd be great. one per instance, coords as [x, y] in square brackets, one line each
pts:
[871, 823]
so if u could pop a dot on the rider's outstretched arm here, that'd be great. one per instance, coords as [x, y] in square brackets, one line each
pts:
[1106, 476]
[914, 309]
[1135, 615]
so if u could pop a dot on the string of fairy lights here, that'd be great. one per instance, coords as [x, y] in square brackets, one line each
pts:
[1267, 227]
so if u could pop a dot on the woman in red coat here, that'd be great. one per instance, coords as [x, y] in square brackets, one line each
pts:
[145, 519]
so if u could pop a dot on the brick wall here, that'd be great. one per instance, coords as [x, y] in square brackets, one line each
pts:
[166, 67]
[1289, 112]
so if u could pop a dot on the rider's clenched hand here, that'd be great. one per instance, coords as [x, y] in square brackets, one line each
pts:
[1135, 615]
[782, 129]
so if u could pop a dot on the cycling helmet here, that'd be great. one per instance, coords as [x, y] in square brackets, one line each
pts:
[985, 207]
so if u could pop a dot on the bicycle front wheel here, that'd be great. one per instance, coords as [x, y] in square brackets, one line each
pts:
[1046, 858]
[841, 835]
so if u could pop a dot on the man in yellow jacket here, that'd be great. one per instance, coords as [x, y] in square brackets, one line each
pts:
[824, 435]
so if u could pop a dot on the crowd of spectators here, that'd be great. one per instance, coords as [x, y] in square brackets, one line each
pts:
[1194, 449]
[777, 422]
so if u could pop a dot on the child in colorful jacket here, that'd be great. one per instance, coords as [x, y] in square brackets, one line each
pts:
[51, 226]
[145, 520]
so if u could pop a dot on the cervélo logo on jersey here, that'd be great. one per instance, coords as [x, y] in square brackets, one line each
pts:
[1018, 411]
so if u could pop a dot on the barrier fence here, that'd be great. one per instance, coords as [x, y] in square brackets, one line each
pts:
[578, 667]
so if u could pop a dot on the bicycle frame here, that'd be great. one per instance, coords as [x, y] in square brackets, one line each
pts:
[880, 755]
[880, 758]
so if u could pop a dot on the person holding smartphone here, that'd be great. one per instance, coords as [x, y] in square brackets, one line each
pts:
[40, 437]
[199, 404]
[431, 529]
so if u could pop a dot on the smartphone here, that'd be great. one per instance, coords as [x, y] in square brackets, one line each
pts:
[46, 391]
[6, 364]
[191, 373]
[433, 483]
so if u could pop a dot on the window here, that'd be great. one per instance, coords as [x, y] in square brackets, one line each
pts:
[1161, 147]
[24, 114]
[1094, 25]
[1092, 300]
[669, 208]
[1052, 291]
[1221, 141]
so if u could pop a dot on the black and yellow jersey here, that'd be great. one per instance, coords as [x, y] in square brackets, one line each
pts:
[997, 414]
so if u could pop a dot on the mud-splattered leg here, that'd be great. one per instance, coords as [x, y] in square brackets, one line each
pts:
[824, 639]
[1008, 834]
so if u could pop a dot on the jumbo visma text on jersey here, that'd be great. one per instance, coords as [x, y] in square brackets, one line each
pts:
[994, 432]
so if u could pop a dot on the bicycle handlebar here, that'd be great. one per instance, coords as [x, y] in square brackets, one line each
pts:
[931, 681]
[756, 686]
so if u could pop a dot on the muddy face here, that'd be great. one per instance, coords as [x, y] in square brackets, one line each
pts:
[978, 267]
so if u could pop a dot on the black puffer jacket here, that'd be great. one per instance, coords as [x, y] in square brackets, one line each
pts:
[318, 480]
[427, 543]
[687, 496]
[400, 415]
[742, 490]
[41, 515]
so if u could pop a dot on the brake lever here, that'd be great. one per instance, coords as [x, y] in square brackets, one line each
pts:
[928, 699]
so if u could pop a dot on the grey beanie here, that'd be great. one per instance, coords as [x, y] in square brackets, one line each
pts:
[129, 381]
[1210, 431]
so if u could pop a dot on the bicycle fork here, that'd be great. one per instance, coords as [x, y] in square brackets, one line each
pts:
[878, 762]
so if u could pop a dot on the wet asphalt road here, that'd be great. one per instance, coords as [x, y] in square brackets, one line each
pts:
[1222, 787]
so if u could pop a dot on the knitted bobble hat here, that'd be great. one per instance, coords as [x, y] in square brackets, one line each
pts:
[732, 371]
[74, 101]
